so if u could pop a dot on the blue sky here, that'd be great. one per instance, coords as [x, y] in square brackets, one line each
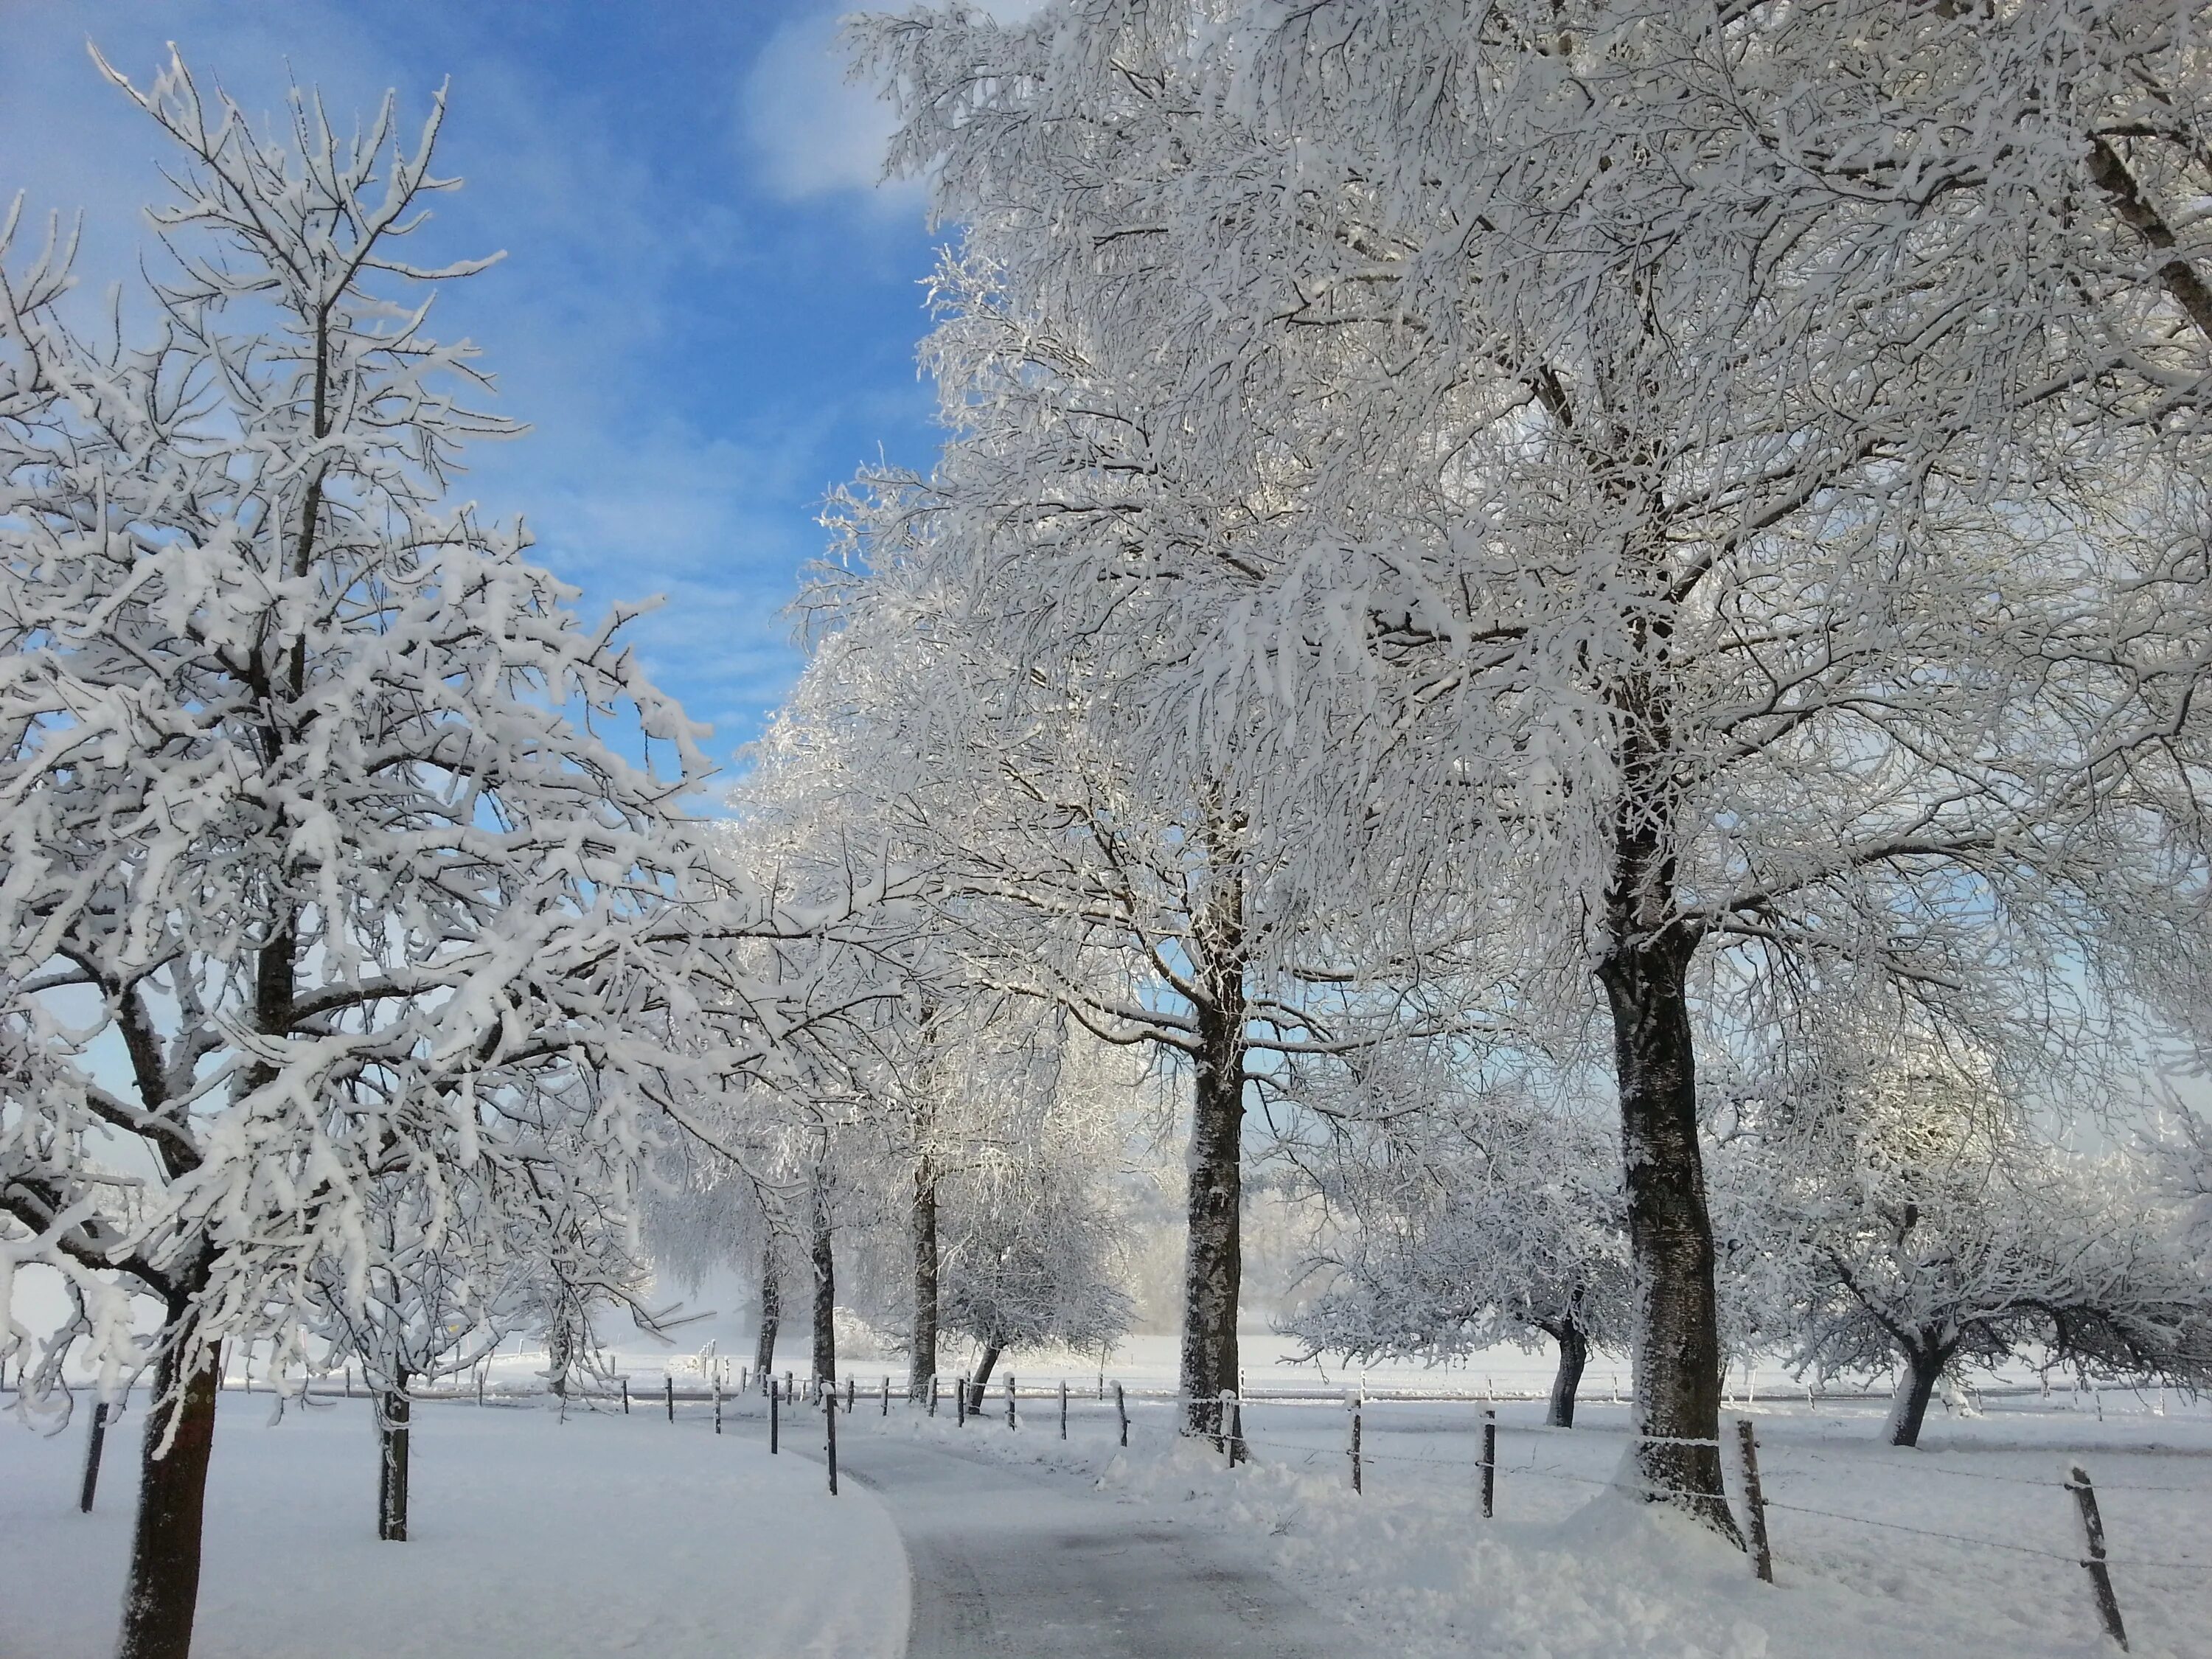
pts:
[708, 311]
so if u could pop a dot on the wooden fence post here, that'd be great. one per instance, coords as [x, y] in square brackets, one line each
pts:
[960, 1402]
[1011, 1423]
[625, 1382]
[886, 1411]
[1754, 1501]
[852, 1392]
[932, 1393]
[92, 1455]
[774, 1410]
[1489, 1463]
[668, 1382]
[829, 1434]
[1121, 1410]
[480, 1385]
[1354, 1403]
[1232, 1424]
[1063, 1408]
[2092, 1558]
[718, 1402]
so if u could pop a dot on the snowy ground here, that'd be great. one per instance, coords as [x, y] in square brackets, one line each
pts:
[611, 1534]
[529, 1536]
[1964, 1549]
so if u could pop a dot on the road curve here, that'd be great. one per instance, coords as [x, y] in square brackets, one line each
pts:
[1007, 1565]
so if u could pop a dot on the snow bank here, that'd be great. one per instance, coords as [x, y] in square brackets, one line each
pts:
[529, 1536]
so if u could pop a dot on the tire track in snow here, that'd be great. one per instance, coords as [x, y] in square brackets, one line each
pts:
[1008, 1567]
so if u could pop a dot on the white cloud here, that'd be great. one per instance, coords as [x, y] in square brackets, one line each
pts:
[639, 482]
[813, 132]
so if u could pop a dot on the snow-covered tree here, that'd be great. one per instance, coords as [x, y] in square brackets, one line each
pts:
[322, 809]
[1923, 1227]
[1153, 911]
[959, 1077]
[1646, 463]
[1056, 883]
[707, 1210]
[462, 1256]
[923, 1127]
[424, 1310]
[1036, 1243]
[947, 1105]
[1459, 1219]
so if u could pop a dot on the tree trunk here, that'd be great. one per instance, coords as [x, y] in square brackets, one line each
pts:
[1574, 1354]
[1213, 1263]
[825, 1281]
[771, 1313]
[161, 1591]
[1670, 1231]
[1908, 1406]
[560, 1354]
[393, 1409]
[922, 1348]
[982, 1380]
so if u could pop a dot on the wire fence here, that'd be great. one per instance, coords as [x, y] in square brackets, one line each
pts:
[1238, 1438]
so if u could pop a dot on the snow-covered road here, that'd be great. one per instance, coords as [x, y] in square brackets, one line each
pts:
[1010, 1566]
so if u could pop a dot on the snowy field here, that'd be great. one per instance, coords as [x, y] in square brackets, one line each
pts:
[530, 1536]
[1143, 1362]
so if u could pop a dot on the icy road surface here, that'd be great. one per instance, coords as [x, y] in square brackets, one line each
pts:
[1006, 1566]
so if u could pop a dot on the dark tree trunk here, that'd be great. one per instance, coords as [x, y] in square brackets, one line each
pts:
[1213, 1263]
[161, 1591]
[1908, 1406]
[394, 1411]
[1574, 1354]
[825, 1281]
[1677, 1365]
[771, 1314]
[982, 1380]
[922, 1347]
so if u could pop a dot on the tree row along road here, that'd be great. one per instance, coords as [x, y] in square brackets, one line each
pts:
[1006, 1565]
